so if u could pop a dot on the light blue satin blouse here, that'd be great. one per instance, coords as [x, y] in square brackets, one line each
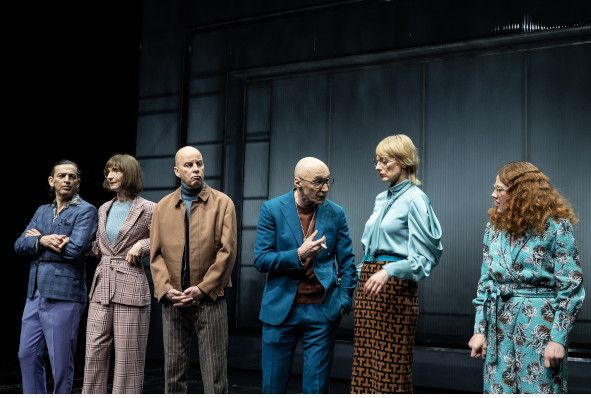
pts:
[409, 229]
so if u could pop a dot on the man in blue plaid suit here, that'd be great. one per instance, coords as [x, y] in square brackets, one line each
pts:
[57, 239]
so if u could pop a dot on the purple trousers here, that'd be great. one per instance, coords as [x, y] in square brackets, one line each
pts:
[49, 327]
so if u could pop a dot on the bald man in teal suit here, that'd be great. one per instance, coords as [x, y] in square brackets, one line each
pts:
[303, 245]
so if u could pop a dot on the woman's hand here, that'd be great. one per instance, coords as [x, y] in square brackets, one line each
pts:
[375, 283]
[134, 254]
[478, 345]
[553, 354]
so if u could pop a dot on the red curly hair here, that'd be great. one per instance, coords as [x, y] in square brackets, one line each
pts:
[531, 201]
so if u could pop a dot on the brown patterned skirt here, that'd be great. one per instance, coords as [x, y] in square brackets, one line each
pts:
[385, 329]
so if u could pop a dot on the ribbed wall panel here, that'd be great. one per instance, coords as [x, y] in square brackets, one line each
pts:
[157, 134]
[559, 136]
[473, 126]
[298, 127]
[368, 105]
[158, 173]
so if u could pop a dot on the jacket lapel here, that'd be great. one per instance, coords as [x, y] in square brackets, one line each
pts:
[288, 208]
[321, 219]
[134, 212]
[102, 229]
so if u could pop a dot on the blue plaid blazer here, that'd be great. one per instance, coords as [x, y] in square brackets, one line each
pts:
[60, 276]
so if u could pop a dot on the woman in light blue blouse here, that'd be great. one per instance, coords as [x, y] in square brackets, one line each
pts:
[401, 243]
[530, 288]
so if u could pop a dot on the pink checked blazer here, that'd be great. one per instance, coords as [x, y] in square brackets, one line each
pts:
[116, 280]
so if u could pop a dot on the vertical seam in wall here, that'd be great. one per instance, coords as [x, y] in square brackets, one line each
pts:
[329, 89]
[525, 76]
[423, 78]
[271, 87]
[222, 120]
[243, 118]
[185, 89]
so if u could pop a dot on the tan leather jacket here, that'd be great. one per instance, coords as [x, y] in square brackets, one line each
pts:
[212, 242]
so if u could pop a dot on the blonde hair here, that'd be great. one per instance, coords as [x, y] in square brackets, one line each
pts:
[401, 147]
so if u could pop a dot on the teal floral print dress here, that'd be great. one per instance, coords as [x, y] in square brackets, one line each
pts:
[529, 293]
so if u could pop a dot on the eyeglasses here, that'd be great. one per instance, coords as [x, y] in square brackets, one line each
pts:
[383, 161]
[499, 189]
[319, 182]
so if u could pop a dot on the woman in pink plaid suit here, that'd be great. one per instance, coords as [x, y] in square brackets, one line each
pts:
[119, 309]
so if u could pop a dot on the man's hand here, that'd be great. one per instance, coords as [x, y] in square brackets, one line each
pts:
[553, 354]
[32, 232]
[65, 241]
[195, 293]
[133, 256]
[375, 283]
[478, 346]
[190, 296]
[54, 242]
[178, 299]
[310, 247]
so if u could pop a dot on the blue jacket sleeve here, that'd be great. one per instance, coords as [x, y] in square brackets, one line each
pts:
[346, 263]
[267, 258]
[28, 245]
[82, 235]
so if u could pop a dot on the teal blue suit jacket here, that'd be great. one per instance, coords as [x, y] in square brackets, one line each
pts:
[279, 235]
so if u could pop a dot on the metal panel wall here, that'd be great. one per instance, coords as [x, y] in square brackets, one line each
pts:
[467, 114]
[473, 126]
[255, 192]
[559, 141]
[299, 126]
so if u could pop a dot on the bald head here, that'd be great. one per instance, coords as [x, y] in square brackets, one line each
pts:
[189, 166]
[310, 166]
[184, 152]
[311, 181]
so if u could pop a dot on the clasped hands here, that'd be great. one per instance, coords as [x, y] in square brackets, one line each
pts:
[55, 242]
[190, 296]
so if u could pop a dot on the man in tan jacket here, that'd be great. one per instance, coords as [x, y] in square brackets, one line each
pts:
[193, 248]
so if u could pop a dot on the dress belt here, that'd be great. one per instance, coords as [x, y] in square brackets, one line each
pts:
[492, 296]
[389, 258]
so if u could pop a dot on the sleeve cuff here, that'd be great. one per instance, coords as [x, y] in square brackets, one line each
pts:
[399, 270]
[558, 337]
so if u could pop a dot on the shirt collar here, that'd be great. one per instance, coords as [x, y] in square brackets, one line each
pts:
[75, 201]
[394, 189]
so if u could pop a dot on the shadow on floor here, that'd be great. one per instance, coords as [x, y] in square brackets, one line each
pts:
[240, 382]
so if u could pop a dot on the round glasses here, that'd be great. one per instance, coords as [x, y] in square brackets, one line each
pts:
[383, 161]
[319, 182]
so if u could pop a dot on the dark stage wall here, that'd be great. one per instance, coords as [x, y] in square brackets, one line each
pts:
[72, 93]
[474, 84]
[257, 85]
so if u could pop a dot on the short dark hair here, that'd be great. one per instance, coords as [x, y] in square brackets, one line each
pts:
[65, 161]
[133, 180]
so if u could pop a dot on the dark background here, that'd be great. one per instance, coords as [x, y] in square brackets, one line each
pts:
[73, 73]
[73, 94]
